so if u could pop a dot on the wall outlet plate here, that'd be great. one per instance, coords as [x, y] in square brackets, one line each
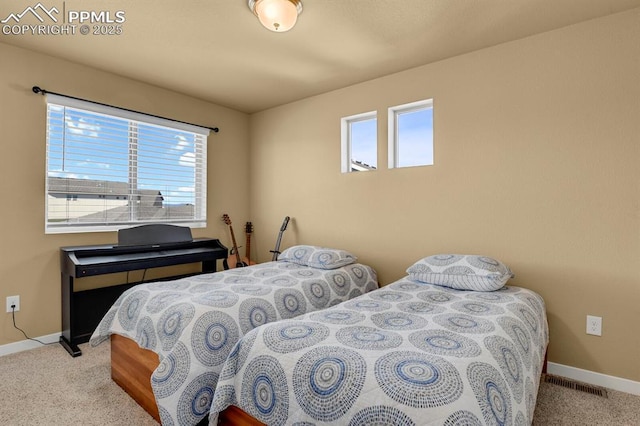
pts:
[13, 300]
[594, 325]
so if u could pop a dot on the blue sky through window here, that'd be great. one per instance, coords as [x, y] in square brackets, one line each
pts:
[364, 142]
[166, 161]
[415, 138]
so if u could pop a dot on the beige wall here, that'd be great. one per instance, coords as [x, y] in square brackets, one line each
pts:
[537, 163]
[29, 259]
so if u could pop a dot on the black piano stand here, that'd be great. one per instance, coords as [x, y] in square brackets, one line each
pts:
[82, 311]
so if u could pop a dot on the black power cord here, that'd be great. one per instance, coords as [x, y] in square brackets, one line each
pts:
[13, 315]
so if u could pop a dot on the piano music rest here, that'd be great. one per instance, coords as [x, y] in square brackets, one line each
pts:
[83, 310]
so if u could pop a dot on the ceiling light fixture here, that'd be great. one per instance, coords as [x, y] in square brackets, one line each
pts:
[276, 15]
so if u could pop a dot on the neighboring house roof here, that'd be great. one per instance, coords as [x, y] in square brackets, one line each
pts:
[150, 204]
[359, 166]
[72, 186]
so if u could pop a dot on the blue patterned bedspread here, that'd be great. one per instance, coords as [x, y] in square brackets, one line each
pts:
[406, 354]
[193, 323]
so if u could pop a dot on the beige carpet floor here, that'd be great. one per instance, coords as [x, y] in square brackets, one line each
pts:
[46, 386]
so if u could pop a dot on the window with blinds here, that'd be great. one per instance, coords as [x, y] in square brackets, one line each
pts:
[109, 168]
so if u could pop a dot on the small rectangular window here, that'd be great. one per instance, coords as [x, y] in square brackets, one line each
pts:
[108, 169]
[411, 134]
[359, 142]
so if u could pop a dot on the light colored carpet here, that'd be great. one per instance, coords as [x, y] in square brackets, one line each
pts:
[46, 386]
[559, 406]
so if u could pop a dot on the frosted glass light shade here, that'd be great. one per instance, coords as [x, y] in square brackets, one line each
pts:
[277, 15]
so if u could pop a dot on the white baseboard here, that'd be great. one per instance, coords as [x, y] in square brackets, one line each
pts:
[25, 345]
[598, 379]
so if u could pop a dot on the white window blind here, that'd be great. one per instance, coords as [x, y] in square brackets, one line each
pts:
[109, 168]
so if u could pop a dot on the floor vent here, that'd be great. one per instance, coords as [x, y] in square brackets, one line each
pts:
[571, 384]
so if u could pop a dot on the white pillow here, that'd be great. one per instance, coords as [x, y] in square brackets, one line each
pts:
[317, 257]
[462, 272]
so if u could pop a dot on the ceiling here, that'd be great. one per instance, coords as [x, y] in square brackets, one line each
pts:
[217, 50]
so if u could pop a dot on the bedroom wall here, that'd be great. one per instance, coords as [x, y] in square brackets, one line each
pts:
[537, 159]
[29, 259]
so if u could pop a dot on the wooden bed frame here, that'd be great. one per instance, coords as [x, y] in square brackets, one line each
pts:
[131, 369]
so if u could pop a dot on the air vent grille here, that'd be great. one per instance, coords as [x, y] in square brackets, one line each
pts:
[572, 384]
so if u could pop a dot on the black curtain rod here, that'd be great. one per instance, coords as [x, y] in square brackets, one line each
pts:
[37, 90]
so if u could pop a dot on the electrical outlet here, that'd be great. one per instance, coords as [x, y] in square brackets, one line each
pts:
[13, 300]
[594, 325]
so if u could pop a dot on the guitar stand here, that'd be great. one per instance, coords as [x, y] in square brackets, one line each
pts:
[275, 254]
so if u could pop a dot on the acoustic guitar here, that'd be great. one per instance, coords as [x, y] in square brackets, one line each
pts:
[233, 261]
[248, 230]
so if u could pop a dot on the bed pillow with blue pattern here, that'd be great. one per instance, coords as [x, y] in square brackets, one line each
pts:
[317, 257]
[461, 271]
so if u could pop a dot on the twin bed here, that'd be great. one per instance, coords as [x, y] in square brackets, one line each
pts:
[449, 344]
[171, 338]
